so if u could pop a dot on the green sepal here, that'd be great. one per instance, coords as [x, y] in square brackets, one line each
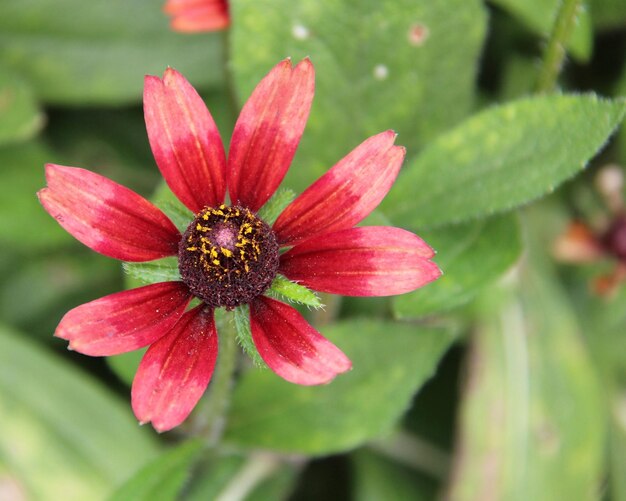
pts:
[161, 270]
[275, 205]
[180, 215]
[241, 315]
[283, 288]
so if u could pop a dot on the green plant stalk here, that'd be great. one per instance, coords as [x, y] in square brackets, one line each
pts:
[554, 54]
[210, 415]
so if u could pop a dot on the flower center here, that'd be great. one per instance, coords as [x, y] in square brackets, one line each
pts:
[227, 256]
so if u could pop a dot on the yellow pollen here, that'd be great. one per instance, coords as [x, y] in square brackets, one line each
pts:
[226, 252]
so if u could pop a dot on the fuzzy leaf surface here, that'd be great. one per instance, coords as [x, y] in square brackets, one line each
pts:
[384, 64]
[502, 158]
[472, 255]
[391, 361]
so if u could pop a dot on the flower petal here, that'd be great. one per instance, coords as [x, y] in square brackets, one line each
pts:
[185, 141]
[175, 371]
[106, 216]
[124, 321]
[268, 131]
[192, 16]
[346, 194]
[291, 347]
[363, 261]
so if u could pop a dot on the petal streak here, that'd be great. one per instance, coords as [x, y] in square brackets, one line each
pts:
[363, 261]
[346, 194]
[175, 371]
[124, 321]
[268, 131]
[106, 216]
[185, 141]
[291, 347]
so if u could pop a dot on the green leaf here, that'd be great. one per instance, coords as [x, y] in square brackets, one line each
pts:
[391, 361]
[125, 365]
[501, 158]
[101, 52]
[241, 317]
[161, 270]
[286, 289]
[376, 478]
[20, 117]
[162, 478]
[35, 290]
[538, 16]
[532, 422]
[608, 14]
[380, 64]
[471, 255]
[63, 436]
[275, 205]
[26, 226]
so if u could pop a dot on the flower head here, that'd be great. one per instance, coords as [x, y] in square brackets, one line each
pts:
[197, 15]
[228, 256]
[605, 239]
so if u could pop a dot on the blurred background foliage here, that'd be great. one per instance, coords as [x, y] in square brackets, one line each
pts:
[505, 379]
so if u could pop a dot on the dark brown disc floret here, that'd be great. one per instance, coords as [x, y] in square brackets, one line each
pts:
[228, 256]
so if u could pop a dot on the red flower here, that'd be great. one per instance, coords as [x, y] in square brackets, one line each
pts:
[228, 256]
[197, 15]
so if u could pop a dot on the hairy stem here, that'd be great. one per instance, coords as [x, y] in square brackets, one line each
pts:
[554, 54]
[211, 411]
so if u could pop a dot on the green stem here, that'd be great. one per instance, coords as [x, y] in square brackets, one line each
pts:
[554, 54]
[211, 411]
[414, 452]
[257, 468]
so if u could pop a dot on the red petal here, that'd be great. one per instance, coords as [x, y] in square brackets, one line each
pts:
[106, 216]
[124, 321]
[346, 194]
[364, 261]
[175, 371]
[291, 347]
[185, 141]
[198, 15]
[268, 131]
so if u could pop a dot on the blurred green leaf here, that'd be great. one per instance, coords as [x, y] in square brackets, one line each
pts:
[538, 16]
[377, 478]
[26, 226]
[471, 255]
[98, 52]
[391, 361]
[608, 14]
[20, 117]
[164, 477]
[380, 64]
[220, 473]
[125, 365]
[532, 423]
[63, 435]
[36, 291]
[501, 158]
